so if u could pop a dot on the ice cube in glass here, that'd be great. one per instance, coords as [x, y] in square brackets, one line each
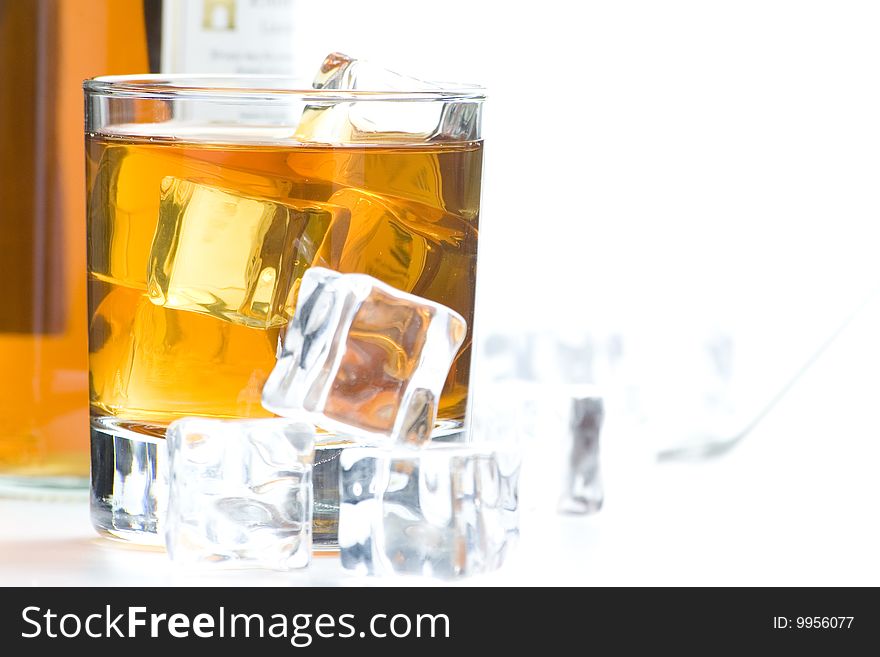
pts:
[363, 358]
[230, 255]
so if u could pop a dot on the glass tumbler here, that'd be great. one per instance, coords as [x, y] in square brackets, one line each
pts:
[207, 200]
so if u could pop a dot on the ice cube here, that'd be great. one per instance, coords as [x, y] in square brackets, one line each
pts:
[325, 477]
[379, 228]
[583, 491]
[364, 358]
[159, 364]
[429, 246]
[126, 190]
[569, 357]
[121, 216]
[232, 256]
[382, 120]
[240, 492]
[436, 178]
[339, 71]
[443, 511]
[558, 428]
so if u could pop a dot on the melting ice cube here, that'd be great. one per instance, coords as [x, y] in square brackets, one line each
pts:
[240, 492]
[233, 256]
[583, 492]
[364, 358]
[379, 119]
[443, 511]
[126, 186]
[410, 246]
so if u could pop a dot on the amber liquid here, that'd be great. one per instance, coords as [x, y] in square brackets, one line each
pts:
[405, 214]
[47, 47]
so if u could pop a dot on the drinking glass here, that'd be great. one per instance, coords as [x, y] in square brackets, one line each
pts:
[207, 200]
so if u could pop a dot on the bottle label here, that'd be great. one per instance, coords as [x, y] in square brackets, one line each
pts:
[227, 36]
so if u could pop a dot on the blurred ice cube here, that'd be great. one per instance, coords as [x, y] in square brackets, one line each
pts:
[230, 255]
[240, 492]
[364, 358]
[569, 357]
[442, 511]
[583, 491]
[558, 427]
[381, 120]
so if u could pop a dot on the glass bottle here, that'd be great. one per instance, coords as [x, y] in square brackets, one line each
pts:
[47, 48]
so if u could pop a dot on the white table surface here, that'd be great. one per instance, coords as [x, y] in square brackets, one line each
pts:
[794, 504]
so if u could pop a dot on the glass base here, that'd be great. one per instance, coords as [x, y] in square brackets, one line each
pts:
[130, 482]
[44, 488]
[54, 475]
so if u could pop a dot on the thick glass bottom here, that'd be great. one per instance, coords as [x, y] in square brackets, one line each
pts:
[130, 482]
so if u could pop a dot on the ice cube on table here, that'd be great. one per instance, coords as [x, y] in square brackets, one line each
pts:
[363, 358]
[583, 492]
[233, 256]
[240, 492]
[558, 428]
[381, 120]
[443, 511]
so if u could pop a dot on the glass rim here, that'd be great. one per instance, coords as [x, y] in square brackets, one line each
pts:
[261, 88]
